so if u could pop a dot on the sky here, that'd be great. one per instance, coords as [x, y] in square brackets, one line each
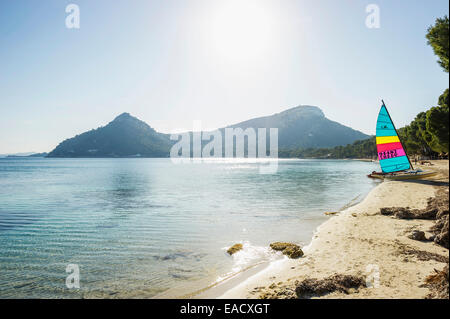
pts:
[172, 62]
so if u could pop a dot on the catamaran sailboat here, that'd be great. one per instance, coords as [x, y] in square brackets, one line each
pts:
[394, 161]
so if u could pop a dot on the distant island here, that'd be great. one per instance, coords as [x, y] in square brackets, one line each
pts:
[25, 154]
[30, 155]
[301, 127]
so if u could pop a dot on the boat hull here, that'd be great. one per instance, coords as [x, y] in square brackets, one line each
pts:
[403, 175]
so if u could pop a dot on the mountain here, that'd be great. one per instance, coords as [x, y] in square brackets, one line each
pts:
[305, 126]
[126, 136]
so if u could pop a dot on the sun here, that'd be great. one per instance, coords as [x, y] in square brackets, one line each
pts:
[241, 30]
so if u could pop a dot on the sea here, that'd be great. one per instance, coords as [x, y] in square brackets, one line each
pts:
[139, 228]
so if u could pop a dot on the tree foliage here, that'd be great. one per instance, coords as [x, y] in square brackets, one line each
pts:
[437, 124]
[438, 38]
[359, 149]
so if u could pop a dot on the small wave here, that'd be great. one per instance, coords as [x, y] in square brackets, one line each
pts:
[249, 256]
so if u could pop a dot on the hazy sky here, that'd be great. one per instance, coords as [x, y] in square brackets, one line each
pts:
[169, 62]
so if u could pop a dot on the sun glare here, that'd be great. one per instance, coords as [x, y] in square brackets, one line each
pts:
[242, 30]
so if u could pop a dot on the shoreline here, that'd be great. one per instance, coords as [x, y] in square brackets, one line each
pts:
[217, 289]
[351, 242]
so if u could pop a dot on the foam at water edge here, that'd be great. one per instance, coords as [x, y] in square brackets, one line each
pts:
[273, 264]
[249, 256]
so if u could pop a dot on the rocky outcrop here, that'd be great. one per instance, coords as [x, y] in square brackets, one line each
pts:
[418, 235]
[291, 250]
[336, 283]
[234, 249]
[279, 246]
[331, 213]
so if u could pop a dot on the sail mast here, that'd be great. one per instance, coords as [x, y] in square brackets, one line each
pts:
[406, 151]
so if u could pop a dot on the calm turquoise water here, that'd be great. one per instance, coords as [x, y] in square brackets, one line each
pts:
[138, 227]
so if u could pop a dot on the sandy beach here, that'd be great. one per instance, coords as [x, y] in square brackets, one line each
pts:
[359, 241]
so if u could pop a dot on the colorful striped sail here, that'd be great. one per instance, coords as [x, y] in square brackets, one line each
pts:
[391, 153]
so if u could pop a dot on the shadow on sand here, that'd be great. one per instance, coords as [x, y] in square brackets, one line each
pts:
[426, 182]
